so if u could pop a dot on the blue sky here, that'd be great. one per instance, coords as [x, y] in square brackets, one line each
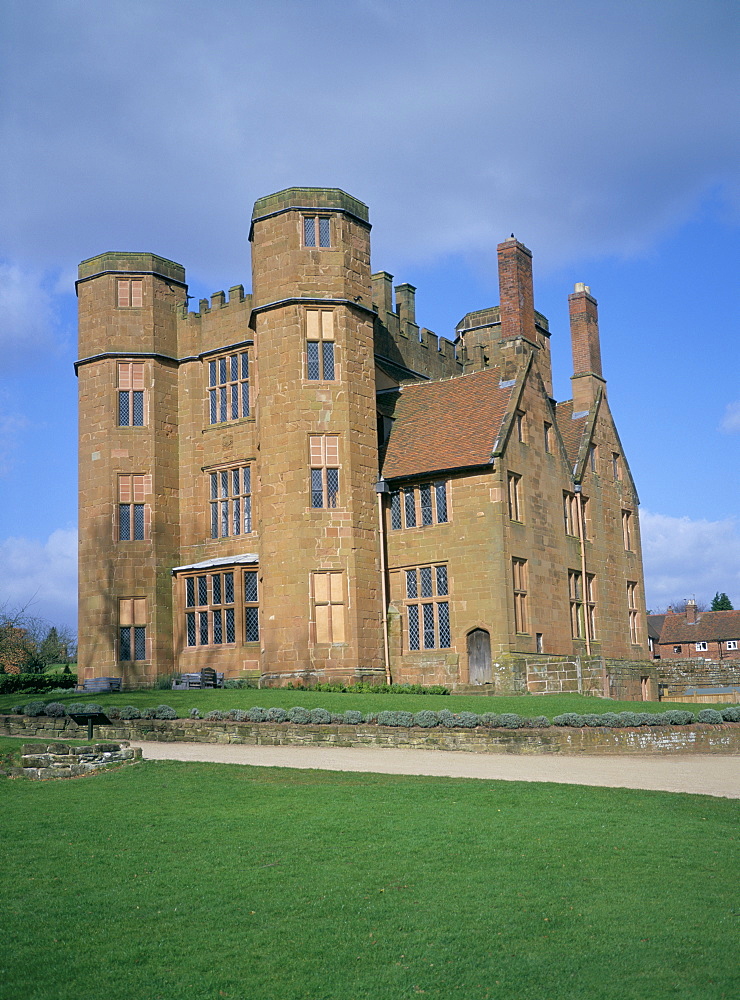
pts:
[604, 134]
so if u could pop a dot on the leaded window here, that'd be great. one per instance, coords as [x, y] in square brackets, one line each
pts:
[419, 505]
[133, 512]
[231, 501]
[132, 615]
[228, 387]
[131, 394]
[210, 609]
[320, 359]
[316, 227]
[427, 617]
[324, 481]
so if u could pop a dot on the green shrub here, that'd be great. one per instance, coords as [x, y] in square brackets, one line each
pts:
[92, 708]
[397, 719]
[10, 683]
[610, 719]
[710, 715]
[149, 713]
[467, 720]
[129, 712]
[628, 720]
[76, 708]
[16, 710]
[239, 683]
[731, 714]
[214, 716]
[165, 712]
[538, 722]
[299, 715]
[34, 708]
[447, 718]
[371, 717]
[426, 719]
[491, 719]
[194, 713]
[337, 718]
[592, 720]
[113, 712]
[276, 715]
[320, 716]
[510, 720]
[352, 717]
[256, 714]
[571, 719]
[164, 682]
[55, 710]
[364, 688]
[678, 717]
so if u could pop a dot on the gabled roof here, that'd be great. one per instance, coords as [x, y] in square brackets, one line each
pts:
[711, 626]
[571, 430]
[444, 425]
[655, 626]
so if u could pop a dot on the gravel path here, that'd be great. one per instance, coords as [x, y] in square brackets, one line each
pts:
[705, 774]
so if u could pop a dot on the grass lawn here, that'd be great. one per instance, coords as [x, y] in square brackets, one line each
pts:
[226, 698]
[174, 881]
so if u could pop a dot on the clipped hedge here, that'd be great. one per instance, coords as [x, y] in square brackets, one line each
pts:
[10, 683]
[396, 719]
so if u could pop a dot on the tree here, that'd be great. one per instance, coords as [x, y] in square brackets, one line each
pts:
[30, 645]
[721, 602]
[680, 606]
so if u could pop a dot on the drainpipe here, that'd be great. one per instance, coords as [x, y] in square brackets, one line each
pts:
[584, 582]
[381, 487]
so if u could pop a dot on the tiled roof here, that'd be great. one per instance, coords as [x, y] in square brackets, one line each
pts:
[711, 626]
[571, 430]
[450, 424]
[655, 626]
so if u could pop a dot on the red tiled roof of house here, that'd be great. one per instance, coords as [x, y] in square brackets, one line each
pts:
[450, 424]
[571, 430]
[711, 626]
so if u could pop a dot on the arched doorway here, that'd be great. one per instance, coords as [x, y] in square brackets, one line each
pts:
[479, 657]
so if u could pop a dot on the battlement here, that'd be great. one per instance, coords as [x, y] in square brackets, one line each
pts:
[219, 301]
[309, 197]
[121, 262]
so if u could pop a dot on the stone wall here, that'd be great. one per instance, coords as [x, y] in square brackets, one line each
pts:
[669, 739]
[699, 680]
[60, 760]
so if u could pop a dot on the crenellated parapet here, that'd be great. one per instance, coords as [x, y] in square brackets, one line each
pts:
[399, 339]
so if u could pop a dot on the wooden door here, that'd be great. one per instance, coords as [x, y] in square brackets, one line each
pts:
[479, 657]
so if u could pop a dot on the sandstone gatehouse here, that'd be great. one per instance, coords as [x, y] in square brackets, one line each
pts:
[302, 484]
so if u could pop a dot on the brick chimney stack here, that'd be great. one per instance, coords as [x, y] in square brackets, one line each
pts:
[691, 612]
[584, 334]
[515, 290]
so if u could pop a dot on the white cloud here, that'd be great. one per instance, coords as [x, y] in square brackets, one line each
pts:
[29, 327]
[455, 128]
[730, 423]
[41, 576]
[685, 558]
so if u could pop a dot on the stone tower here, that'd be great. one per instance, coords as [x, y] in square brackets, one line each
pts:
[128, 448]
[318, 457]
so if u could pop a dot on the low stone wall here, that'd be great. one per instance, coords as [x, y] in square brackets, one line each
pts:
[724, 739]
[703, 681]
[60, 760]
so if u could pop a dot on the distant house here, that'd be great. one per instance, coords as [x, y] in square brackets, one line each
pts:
[693, 634]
